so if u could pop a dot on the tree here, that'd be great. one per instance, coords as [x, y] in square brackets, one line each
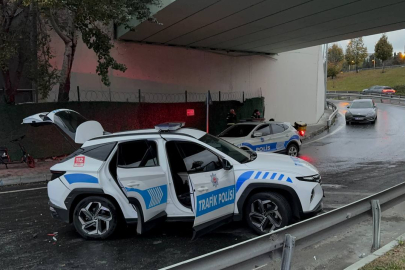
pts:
[13, 33]
[335, 61]
[91, 20]
[383, 50]
[24, 48]
[356, 52]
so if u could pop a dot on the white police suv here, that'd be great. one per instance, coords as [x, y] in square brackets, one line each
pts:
[278, 137]
[172, 173]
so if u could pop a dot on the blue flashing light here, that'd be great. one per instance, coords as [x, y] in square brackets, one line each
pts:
[170, 126]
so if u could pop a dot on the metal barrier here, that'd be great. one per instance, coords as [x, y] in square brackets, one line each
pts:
[397, 100]
[332, 117]
[260, 248]
[365, 94]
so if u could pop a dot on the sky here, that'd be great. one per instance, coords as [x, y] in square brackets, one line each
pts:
[396, 38]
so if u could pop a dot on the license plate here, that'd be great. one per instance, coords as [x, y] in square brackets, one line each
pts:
[358, 118]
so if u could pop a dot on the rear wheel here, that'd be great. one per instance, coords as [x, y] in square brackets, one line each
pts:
[266, 212]
[95, 218]
[292, 150]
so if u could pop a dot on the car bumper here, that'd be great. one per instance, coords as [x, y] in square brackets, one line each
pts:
[361, 120]
[318, 209]
[59, 213]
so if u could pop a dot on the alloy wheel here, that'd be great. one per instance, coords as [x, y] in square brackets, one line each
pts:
[265, 215]
[292, 151]
[95, 218]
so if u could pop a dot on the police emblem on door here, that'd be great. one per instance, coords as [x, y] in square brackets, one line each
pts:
[214, 180]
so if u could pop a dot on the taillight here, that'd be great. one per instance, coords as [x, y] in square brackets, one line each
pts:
[302, 133]
[56, 174]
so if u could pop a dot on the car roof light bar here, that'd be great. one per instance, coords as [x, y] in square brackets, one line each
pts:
[170, 126]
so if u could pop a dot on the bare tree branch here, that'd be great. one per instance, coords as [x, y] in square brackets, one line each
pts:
[55, 26]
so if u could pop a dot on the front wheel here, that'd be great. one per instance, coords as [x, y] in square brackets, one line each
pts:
[95, 217]
[266, 212]
[292, 150]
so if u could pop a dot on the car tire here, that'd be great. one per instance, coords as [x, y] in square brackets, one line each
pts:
[292, 150]
[265, 212]
[95, 217]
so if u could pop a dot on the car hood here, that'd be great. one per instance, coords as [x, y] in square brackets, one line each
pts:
[361, 111]
[282, 163]
[234, 141]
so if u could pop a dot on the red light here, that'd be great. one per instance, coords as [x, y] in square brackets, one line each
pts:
[190, 112]
[302, 133]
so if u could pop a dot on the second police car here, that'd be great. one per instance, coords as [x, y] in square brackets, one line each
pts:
[271, 136]
[145, 177]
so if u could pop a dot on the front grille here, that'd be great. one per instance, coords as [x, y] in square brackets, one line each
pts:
[358, 115]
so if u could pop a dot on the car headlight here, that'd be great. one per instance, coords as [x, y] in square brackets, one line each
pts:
[349, 114]
[370, 114]
[311, 178]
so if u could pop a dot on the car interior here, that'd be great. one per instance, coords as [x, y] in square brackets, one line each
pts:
[179, 174]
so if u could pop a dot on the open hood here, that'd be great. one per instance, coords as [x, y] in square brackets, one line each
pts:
[72, 123]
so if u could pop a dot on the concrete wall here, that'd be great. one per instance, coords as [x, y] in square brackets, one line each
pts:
[290, 82]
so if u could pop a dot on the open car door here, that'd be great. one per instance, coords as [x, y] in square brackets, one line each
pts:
[73, 124]
[212, 187]
[143, 181]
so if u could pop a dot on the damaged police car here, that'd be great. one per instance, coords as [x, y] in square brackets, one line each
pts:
[149, 176]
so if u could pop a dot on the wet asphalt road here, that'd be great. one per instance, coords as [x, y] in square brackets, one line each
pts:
[355, 161]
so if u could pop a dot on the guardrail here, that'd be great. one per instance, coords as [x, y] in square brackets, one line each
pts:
[332, 117]
[361, 93]
[260, 249]
[397, 100]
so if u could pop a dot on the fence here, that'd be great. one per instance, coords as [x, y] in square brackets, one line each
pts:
[141, 96]
[22, 95]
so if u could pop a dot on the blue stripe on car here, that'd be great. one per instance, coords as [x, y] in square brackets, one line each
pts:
[270, 147]
[152, 196]
[80, 178]
[259, 175]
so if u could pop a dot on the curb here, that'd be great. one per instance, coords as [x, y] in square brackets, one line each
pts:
[315, 133]
[25, 179]
[378, 253]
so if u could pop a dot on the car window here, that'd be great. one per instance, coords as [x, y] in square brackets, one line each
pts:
[237, 131]
[387, 87]
[69, 121]
[286, 126]
[137, 154]
[264, 129]
[228, 149]
[277, 128]
[198, 159]
[361, 105]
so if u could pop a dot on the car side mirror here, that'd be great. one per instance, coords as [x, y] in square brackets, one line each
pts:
[226, 165]
[257, 134]
[348, 107]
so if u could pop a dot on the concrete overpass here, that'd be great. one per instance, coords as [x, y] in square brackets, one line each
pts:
[264, 26]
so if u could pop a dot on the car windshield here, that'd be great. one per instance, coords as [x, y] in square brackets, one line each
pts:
[237, 131]
[361, 105]
[227, 148]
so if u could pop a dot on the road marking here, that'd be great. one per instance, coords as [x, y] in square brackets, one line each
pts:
[330, 134]
[21, 190]
[349, 193]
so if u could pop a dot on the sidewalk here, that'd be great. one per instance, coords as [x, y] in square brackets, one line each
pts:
[20, 173]
[318, 128]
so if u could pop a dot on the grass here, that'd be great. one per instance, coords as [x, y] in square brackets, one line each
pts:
[392, 260]
[352, 81]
